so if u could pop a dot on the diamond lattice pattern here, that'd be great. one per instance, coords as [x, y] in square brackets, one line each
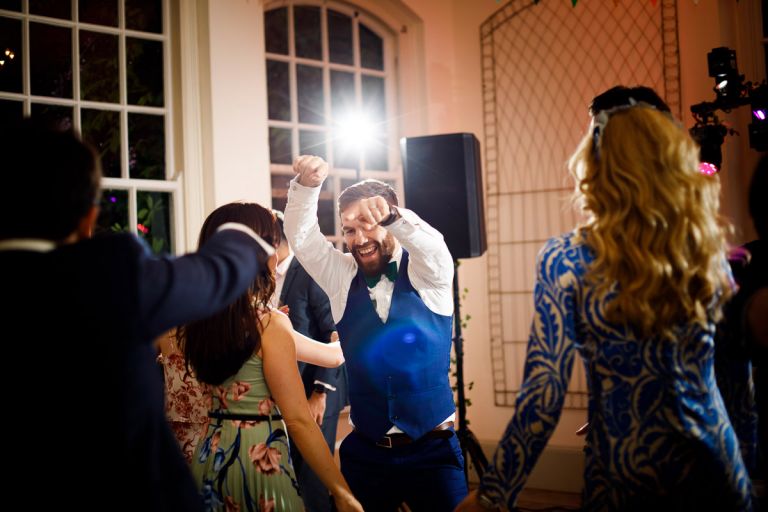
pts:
[542, 64]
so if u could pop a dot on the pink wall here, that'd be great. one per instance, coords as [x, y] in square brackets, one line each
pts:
[454, 89]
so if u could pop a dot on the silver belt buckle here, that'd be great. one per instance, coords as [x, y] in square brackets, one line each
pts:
[383, 444]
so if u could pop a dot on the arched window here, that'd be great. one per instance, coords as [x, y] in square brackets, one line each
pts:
[330, 87]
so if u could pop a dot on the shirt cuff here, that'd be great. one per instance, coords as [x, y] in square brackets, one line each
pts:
[326, 386]
[404, 225]
[236, 226]
[303, 194]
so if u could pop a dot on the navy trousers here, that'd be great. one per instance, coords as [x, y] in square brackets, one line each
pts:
[427, 474]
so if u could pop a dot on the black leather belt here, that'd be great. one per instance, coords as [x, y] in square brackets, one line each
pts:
[442, 431]
[242, 417]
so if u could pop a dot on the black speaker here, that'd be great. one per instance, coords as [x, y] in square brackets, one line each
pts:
[444, 186]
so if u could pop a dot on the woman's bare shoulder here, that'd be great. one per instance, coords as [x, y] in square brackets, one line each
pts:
[274, 321]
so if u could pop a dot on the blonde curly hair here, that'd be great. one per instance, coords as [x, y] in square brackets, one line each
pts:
[652, 222]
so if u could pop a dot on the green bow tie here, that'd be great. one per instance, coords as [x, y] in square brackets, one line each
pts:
[391, 273]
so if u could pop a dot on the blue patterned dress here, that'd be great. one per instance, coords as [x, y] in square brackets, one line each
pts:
[659, 436]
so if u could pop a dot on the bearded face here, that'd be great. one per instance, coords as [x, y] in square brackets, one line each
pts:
[372, 256]
[372, 249]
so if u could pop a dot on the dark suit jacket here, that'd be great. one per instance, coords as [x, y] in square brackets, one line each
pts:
[310, 314]
[85, 424]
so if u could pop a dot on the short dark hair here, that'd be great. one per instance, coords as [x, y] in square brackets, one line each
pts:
[620, 95]
[365, 189]
[51, 180]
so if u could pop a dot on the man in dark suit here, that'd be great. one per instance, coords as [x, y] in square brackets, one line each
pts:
[326, 388]
[87, 426]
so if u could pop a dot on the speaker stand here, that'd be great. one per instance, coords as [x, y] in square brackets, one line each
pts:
[469, 444]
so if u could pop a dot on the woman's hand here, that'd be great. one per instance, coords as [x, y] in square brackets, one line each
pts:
[346, 502]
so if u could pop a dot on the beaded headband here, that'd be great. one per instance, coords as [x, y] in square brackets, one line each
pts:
[600, 120]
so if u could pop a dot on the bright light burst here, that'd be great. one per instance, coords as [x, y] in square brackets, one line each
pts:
[355, 131]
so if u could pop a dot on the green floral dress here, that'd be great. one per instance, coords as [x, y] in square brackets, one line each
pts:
[243, 461]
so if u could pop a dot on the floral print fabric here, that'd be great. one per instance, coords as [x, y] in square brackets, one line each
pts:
[243, 464]
[186, 403]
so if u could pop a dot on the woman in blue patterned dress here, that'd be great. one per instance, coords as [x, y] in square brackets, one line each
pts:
[247, 354]
[636, 292]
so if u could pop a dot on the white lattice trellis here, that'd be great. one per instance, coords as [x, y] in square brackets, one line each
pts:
[542, 64]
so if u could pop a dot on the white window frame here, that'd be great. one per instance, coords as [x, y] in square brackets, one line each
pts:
[172, 182]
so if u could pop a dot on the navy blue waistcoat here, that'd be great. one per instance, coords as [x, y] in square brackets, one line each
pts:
[398, 370]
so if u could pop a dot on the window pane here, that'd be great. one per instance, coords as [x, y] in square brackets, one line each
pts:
[343, 103]
[10, 45]
[144, 15]
[325, 215]
[375, 107]
[99, 75]
[376, 157]
[371, 49]
[373, 99]
[113, 216]
[309, 84]
[99, 12]
[11, 111]
[340, 37]
[278, 91]
[312, 143]
[154, 220]
[280, 145]
[145, 71]
[279, 203]
[345, 155]
[342, 94]
[280, 183]
[101, 128]
[146, 146]
[56, 114]
[307, 32]
[276, 30]
[53, 8]
[11, 5]
[50, 55]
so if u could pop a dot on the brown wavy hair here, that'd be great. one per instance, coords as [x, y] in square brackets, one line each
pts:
[215, 348]
[653, 223]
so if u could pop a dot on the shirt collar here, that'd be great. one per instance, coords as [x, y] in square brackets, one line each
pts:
[282, 267]
[397, 255]
[27, 244]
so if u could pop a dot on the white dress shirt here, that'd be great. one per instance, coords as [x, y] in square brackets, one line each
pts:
[430, 265]
[27, 244]
[280, 270]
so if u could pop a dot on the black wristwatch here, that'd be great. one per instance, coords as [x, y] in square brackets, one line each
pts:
[392, 217]
[319, 388]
